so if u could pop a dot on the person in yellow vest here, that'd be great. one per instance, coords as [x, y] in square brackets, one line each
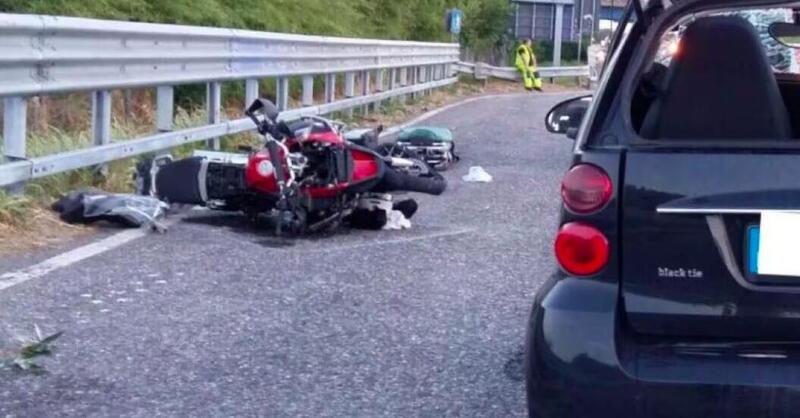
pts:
[526, 64]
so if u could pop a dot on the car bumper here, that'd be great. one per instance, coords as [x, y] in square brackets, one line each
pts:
[581, 363]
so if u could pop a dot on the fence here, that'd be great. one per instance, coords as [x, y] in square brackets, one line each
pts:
[44, 55]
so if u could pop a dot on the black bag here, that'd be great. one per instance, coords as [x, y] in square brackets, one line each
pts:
[91, 205]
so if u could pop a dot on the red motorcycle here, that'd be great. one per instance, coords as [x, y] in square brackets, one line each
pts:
[307, 177]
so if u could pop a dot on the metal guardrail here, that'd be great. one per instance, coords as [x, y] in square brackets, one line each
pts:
[42, 55]
[483, 71]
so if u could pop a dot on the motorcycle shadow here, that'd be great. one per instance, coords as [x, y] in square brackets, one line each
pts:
[261, 230]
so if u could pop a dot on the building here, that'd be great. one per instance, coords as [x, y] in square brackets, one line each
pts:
[536, 19]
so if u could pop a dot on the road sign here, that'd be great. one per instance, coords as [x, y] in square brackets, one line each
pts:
[454, 20]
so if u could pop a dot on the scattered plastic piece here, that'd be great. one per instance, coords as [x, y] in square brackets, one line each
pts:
[478, 175]
[396, 221]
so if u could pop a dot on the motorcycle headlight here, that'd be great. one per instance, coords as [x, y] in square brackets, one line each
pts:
[265, 168]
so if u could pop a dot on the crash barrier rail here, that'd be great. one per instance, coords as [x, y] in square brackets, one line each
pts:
[482, 71]
[45, 55]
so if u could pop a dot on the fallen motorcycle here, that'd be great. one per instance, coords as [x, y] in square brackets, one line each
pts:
[307, 178]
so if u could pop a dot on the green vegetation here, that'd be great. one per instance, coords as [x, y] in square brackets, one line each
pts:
[389, 19]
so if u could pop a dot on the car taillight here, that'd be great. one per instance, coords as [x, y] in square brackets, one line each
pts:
[581, 250]
[585, 189]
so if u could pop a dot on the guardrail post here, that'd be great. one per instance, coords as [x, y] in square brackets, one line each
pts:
[101, 121]
[251, 87]
[393, 74]
[403, 81]
[365, 90]
[414, 76]
[15, 123]
[379, 87]
[349, 89]
[282, 93]
[308, 90]
[214, 109]
[330, 88]
[165, 105]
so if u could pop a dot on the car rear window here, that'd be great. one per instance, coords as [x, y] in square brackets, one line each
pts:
[782, 58]
[653, 110]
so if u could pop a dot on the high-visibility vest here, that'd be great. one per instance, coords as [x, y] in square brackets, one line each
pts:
[524, 59]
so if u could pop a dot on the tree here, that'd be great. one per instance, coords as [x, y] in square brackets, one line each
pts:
[485, 25]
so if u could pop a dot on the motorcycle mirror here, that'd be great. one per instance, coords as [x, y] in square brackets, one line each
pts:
[380, 129]
[264, 106]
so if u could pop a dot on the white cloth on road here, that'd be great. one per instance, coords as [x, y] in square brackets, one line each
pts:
[478, 175]
[396, 221]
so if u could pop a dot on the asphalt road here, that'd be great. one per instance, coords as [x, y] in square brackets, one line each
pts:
[216, 319]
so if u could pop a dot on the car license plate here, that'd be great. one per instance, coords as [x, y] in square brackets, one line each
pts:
[773, 245]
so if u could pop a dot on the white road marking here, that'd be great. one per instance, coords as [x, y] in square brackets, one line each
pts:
[69, 258]
[404, 240]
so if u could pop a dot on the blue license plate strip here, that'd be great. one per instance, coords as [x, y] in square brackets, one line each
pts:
[753, 238]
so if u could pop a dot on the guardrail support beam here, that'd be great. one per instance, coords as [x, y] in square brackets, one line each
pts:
[251, 93]
[379, 80]
[101, 122]
[308, 90]
[214, 109]
[404, 75]
[349, 89]
[366, 89]
[330, 88]
[101, 117]
[282, 93]
[414, 80]
[15, 123]
[558, 32]
[165, 105]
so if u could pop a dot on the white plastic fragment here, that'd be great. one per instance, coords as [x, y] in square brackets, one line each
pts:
[477, 175]
[396, 221]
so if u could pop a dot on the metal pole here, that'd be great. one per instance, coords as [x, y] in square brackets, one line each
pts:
[365, 89]
[308, 90]
[283, 93]
[250, 92]
[330, 88]
[349, 89]
[101, 117]
[15, 116]
[580, 34]
[165, 104]
[214, 109]
[558, 29]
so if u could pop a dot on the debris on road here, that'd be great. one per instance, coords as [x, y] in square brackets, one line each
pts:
[378, 212]
[132, 211]
[396, 221]
[25, 359]
[478, 175]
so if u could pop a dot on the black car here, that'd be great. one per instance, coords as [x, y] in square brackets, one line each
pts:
[679, 244]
